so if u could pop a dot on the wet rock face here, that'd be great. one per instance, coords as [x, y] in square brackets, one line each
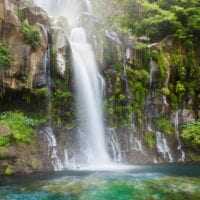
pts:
[26, 158]
[60, 44]
[26, 62]
[187, 116]
[35, 15]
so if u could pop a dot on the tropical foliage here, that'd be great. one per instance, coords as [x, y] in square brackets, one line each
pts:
[5, 57]
[191, 134]
[20, 125]
[31, 34]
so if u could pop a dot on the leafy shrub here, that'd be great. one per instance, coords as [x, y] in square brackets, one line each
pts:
[20, 126]
[165, 91]
[191, 134]
[4, 141]
[31, 34]
[180, 87]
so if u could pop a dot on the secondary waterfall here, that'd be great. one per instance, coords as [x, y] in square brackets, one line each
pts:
[161, 141]
[162, 146]
[176, 126]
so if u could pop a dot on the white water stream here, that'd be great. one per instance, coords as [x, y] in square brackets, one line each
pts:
[89, 99]
[52, 148]
[162, 146]
[161, 141]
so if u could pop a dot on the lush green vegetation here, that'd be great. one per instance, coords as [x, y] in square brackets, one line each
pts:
[63, 109]
[158, 18]
[20, 125]
[163, 125]
[5, 57]
[191, 135]
[150, 139]
[31, 34]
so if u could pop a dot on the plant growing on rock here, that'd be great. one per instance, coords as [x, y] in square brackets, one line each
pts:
[21, 127]
[150, 139]
[31, 34]
[5, 61]
[5, 57]
[191, 134]
[163, 125]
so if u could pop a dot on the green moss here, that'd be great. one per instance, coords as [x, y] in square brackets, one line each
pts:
[31, 34]
[165, 91]
[8, 170]
[179, 87]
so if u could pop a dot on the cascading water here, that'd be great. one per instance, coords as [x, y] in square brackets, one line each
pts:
[162, 146]
[153, 70]
[134, 142]
[176, 126]
[47, 131]
[161, 142]
[52, 148]
[114, 145]
[89, 99]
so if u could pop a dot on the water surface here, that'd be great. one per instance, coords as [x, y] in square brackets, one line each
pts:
[153, 182]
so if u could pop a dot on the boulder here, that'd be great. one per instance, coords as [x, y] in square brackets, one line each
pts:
[4, 131]
[36, 15]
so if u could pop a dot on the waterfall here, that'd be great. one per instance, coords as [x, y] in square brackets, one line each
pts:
[162, 146]
[161, 141]
[89, 99]
[48, 78]
[134, 142]
[176, 126]
[52, 148]
[114, 145]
